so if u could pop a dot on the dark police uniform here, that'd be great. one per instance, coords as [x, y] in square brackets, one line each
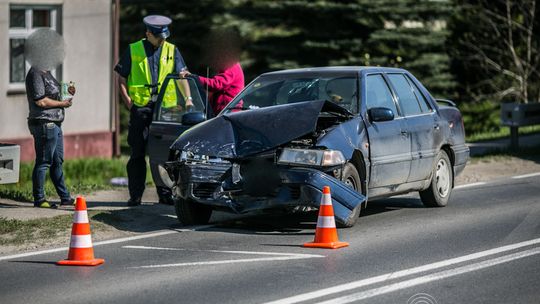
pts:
[141, 116]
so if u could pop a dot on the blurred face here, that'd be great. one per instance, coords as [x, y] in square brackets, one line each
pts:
[222, 49]
[44, 49]
[155, 41]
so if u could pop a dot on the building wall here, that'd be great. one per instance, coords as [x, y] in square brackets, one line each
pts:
[86, 28]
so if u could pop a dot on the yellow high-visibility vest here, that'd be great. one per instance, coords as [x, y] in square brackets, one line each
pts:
[139, 78]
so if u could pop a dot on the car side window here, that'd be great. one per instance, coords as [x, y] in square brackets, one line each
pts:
[421, 98]
[378, 93]
[406, 98]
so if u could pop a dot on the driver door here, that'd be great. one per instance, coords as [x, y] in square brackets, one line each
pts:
[167, 124]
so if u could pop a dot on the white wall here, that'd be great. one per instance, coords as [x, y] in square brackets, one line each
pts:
[86, 27]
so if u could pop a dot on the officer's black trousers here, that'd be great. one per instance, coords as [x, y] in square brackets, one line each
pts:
[139, 123]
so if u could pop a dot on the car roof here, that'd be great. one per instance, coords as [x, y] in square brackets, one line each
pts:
[335, 69]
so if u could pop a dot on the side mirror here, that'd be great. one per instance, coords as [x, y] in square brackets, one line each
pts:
[380, 114]
[193, 118]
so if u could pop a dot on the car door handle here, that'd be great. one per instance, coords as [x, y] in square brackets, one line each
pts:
[404, 133]
[158, 136]
[436, 126]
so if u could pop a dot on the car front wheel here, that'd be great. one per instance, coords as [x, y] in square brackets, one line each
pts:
[351, 178]
[442, 179]
[190, 212]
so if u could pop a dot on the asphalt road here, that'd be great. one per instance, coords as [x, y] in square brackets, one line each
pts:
[484, 247]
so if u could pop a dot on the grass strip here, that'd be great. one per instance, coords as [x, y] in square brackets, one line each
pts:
[504, 132]
[82, 176]
[21, 232]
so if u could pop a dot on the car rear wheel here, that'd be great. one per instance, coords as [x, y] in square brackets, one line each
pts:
[190, 212]
[351, 178]
[442, 179]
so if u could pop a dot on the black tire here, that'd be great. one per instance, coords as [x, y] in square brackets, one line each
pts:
[192, 213]
[442, 181]
[351, 178]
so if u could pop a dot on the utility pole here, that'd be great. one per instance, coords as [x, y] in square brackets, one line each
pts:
[114, 98]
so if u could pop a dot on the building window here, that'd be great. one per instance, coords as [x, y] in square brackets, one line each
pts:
[23, 21]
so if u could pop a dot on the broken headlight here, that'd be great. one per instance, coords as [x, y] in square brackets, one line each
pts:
[325, 158]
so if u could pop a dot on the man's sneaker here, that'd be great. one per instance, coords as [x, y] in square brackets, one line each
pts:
[45, 204]
[134, 202]
[67, 202]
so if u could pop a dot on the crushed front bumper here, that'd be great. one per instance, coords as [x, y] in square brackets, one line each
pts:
[212, 184]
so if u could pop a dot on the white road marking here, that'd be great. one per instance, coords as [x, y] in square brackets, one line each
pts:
[431, 277]
[401, 273]
[278, 256]
[223, 251]
[295, 257]
[470, 185]
[114, 241]
[526, 175]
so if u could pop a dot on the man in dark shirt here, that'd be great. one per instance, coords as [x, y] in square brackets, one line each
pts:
[45, 119]
[156, 54]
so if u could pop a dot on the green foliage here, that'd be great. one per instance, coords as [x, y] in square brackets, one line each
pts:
[411, 34]
[432, 39]
[481, 117]
[292, 34]
[486, 62]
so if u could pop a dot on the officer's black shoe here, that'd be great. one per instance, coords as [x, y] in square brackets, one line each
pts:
[166, 201]
[134, 202]
[67, 202]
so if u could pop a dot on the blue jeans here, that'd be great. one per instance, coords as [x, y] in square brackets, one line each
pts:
[49, 146]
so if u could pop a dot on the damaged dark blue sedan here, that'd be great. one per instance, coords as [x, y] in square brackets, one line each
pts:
[363, 131]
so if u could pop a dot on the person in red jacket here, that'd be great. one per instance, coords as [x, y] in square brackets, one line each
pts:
[223, 56]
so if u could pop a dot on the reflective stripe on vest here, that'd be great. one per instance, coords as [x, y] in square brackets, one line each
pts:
[140, 75]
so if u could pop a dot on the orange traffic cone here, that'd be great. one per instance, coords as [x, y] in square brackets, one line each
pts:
[326, 232]
[81, 252]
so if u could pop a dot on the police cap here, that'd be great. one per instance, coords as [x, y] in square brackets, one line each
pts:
[158, 25]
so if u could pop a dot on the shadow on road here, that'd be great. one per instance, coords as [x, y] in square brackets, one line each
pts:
[154, 217]
[141, 219]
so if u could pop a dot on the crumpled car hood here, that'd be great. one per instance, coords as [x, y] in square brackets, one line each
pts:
[241, 134]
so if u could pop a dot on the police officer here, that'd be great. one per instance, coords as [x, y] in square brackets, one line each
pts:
[157, 57]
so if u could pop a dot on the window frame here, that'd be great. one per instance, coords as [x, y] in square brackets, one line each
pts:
[419, 94]
[23, 33]
[398, 99]
[398, 113]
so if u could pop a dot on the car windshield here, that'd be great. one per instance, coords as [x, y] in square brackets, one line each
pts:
[267, 91]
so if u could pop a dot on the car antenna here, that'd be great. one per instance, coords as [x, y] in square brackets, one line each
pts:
[206, 99]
